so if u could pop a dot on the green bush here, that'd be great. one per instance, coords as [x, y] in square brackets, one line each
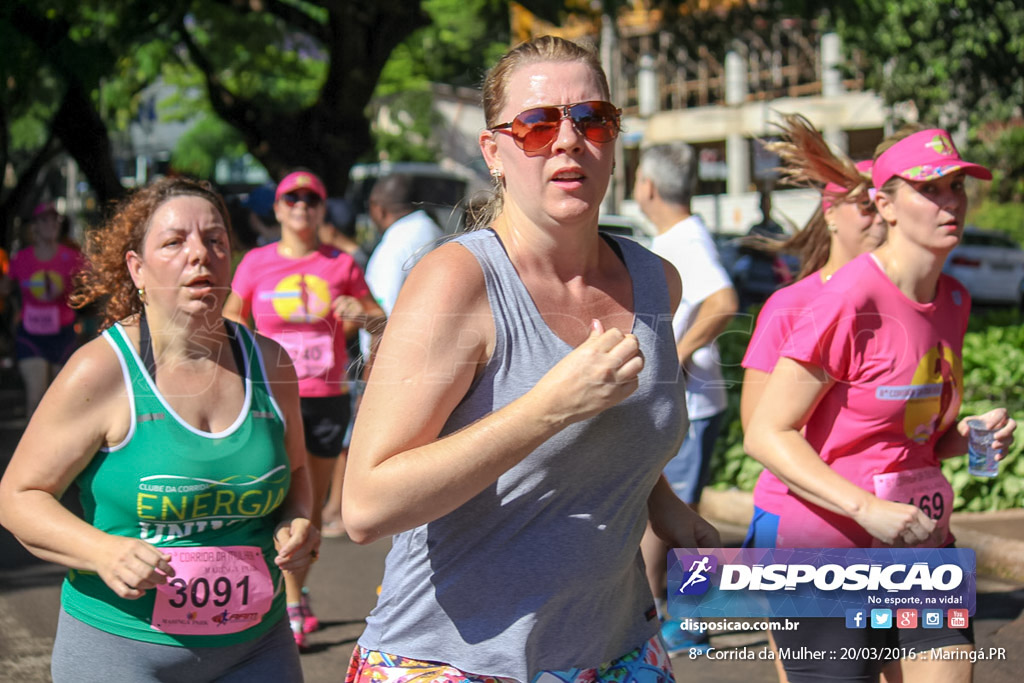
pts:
[993, 360]
[993, 377]
[1006, 217]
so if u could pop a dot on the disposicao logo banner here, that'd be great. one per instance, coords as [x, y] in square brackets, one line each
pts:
[817, 582]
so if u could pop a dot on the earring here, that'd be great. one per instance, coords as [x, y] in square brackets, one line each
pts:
[497, 173]
[831, 227]
[142, 295]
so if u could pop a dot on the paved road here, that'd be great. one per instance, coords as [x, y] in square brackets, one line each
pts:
[343, 587]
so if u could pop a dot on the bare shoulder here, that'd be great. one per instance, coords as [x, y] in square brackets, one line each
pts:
[442, 316]
[88, 396]
[453, 265]
[93, 373]
[447, 280]
[438, 337]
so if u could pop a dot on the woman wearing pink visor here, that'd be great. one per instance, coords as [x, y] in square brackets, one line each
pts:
[863, 404]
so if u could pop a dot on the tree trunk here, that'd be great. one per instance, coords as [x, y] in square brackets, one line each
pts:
[84, 135]
[331, 135]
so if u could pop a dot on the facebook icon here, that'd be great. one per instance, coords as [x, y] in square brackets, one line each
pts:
[856, 618]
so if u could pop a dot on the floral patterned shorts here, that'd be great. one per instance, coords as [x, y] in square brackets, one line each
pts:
[648, 663]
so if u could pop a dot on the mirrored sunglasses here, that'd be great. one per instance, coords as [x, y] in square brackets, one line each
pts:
[293, 198]
[535, 129]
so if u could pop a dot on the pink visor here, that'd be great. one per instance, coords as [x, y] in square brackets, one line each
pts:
[925, 155]
[833, 190]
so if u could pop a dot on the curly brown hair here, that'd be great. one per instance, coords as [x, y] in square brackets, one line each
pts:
[105, 279]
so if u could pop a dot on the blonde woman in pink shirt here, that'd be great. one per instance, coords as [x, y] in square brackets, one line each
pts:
[863, 404]
[845, 225]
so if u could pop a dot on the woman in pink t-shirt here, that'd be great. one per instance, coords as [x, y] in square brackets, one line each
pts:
[304, 295]
[845, 226]
[863, 403]
[42, 274]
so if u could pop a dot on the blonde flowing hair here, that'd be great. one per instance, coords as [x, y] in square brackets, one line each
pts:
[808, 161]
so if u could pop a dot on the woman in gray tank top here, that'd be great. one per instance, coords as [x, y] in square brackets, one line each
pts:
[522, 404]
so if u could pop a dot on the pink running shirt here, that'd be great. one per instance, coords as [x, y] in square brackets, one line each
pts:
[291, 300]
[779, 315]
[44, 287]
[899, 382]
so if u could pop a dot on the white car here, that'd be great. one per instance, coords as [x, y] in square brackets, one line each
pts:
[990, 265]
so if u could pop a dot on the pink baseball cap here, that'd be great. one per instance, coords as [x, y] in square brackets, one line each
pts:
[44, 208]
[833, 190]
[925, 155]
[301, 180]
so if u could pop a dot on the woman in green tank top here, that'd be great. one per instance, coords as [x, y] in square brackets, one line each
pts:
[191, 471]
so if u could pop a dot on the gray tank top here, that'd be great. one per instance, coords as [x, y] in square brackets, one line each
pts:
[542, 570]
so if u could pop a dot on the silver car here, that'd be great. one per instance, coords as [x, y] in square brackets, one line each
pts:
[990, 265]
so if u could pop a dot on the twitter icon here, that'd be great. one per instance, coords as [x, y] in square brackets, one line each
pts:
[881, 618]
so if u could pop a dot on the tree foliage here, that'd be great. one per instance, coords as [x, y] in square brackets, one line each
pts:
[943, 62]
[1000, 147]
[203, 144]
[56, 56]
[293, 78]
[323, 62]
[957, 60]
[462, 39]
[290, 79]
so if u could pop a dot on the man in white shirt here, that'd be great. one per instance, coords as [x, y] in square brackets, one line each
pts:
[665, 183]
[408, 233]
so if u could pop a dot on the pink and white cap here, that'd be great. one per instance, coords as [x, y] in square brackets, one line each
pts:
[833, 190]
[925, 155]
[45, 209]
[301, 180]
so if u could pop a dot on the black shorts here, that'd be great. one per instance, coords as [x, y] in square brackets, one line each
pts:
[55, 348]
[325, 420]
[832, 635]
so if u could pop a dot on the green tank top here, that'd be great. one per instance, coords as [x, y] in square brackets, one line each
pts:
[178, 487]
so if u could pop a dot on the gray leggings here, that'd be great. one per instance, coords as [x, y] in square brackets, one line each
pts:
[84, 654]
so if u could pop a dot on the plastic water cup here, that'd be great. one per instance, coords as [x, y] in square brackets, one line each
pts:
[981, 457]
